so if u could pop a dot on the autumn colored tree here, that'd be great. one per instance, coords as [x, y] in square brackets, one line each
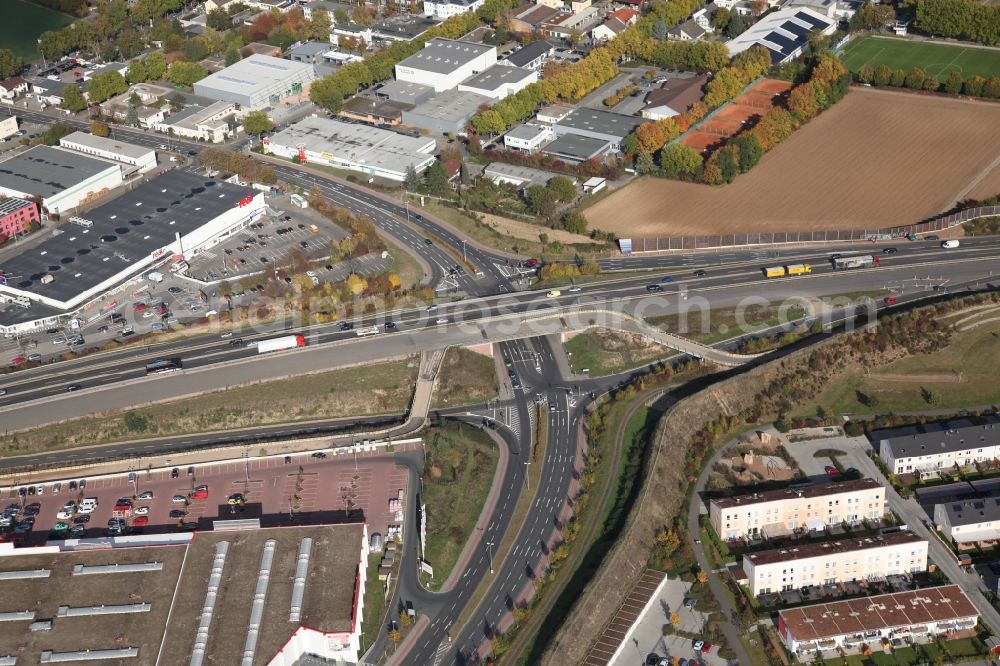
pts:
[802, 102]
[650, 137]
[881, 75]
[679, 160]
[98, 128]
[702, 576]
[953, 84]
[897, 79]
[974, 86]
[915, 78]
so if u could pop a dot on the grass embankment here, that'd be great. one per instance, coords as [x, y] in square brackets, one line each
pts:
[711, 326]
[375, 602]
[460, 463]
[466, 377]
[368, 390]
[606, 352]
[963, 374]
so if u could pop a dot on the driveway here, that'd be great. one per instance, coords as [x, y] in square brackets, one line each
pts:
[815, 468]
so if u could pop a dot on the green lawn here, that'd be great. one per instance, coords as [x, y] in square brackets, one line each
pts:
[606, 352]
[458, 473]
[935, 59]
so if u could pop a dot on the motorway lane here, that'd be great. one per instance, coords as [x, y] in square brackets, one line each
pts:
[496, 317]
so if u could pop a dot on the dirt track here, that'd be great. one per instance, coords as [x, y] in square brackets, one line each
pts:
[876, 159]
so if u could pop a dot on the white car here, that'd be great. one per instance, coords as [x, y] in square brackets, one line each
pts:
[141, 510]
[442, 320]
[63, 514]
[145, 495]
[179, 499]
[58, 341]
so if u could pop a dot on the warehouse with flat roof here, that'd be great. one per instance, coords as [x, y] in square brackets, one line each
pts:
[444, 63]
[371, 150]
[179, 213]
[132, 157]
[594, 124]
[449, 111]
[62, 178]
[257, 82]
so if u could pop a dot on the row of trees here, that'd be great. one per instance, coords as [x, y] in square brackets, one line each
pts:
[827, 84]
[245, 166]
[116, 31]
[10, 64]
[962, 19]
[917, 79]
[362, 236]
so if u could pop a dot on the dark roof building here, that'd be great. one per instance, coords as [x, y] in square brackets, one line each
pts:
[530, 56]
[603, 125]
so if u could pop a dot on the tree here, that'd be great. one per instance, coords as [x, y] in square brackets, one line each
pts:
[974, 86]
[256, 123]
[750, 151]
[319, 26]
[660, 30]
[881, 75]
[356, 284]
[802, 102]
[73, 99]
[156, 66]
[232, 55]
[991, 88]
[675, 619]
[463, 174]
[574, 222]
[721, 18]
[702, 576]
[541, 201]
[106, 85]
[678, 159]
[644, 162]
[737, 26]
[897, 79]
[183, 73]
[436, 180]
[341, 16]
[915, 78]
[562, 189]
[10, 64]
[411, 183]
[97, 128]
[219, 19]
[132, 116]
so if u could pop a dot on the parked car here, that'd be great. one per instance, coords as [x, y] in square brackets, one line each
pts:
[177, 513]
[145, 495]
[198, 494]
[178, 499]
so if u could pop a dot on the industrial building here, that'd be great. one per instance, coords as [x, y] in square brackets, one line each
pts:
[62, 178]
[811, 507]
[849, 559]
[915, 616]
[214, 123]
[574, 148]
[528, 138]
[8, 127]
[257, 82]
[376, 152]
[499, 82]
[940, 446]
[132, 157]
[602, 125]
[969, 521]
[530, 56]
[447, 112]
[177, 214]
[784, 33]
[259, 595]
[519, 176]
[405, 92]
[16, 215]
[444, 63]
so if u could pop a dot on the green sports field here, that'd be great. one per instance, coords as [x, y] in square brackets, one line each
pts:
[936, 59]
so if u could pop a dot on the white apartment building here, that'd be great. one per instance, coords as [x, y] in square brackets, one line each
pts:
[213, 123]
[906, 451]
[969, 521]
[854, 559]
[799, 507]
[443, 9]
[444, 63]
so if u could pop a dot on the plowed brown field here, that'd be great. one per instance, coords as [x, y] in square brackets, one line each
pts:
[876, 159]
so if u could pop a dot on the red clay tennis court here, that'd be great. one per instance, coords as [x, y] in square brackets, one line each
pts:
[729, 120]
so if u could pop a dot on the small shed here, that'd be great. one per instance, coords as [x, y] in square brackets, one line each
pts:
[593, 185]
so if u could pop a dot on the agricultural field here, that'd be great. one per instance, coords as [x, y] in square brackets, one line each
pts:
[938, 60]
[879, 158]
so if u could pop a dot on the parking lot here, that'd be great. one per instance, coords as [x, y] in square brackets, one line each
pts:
[279, 490]
[646, 636]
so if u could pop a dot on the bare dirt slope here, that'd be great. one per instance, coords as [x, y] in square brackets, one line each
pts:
[876, 159]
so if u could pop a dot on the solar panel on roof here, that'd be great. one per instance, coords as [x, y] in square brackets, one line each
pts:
[795, 29]
[811, 20]
[787, 45]
[776, 57]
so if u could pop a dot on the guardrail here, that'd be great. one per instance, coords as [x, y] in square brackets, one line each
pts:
[668, 243]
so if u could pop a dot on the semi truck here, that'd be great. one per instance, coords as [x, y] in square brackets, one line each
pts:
[857, 261]
[277, 344]
[790, 270]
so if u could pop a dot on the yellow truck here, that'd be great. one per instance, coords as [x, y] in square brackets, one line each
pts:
[791, 269]
[774, 271]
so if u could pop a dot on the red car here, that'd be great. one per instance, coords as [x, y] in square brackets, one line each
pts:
[832, 471]
[891, 300]
[140, 307]
[20, 360]
[123, 507]
[199, 494]
[706, 648]
[140, 521]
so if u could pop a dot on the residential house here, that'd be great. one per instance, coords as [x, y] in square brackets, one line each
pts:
[688, 31]
[674, 98]
[941, 446]
[444, 9]
[528, 138]
[12, 88]
[530, 56]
